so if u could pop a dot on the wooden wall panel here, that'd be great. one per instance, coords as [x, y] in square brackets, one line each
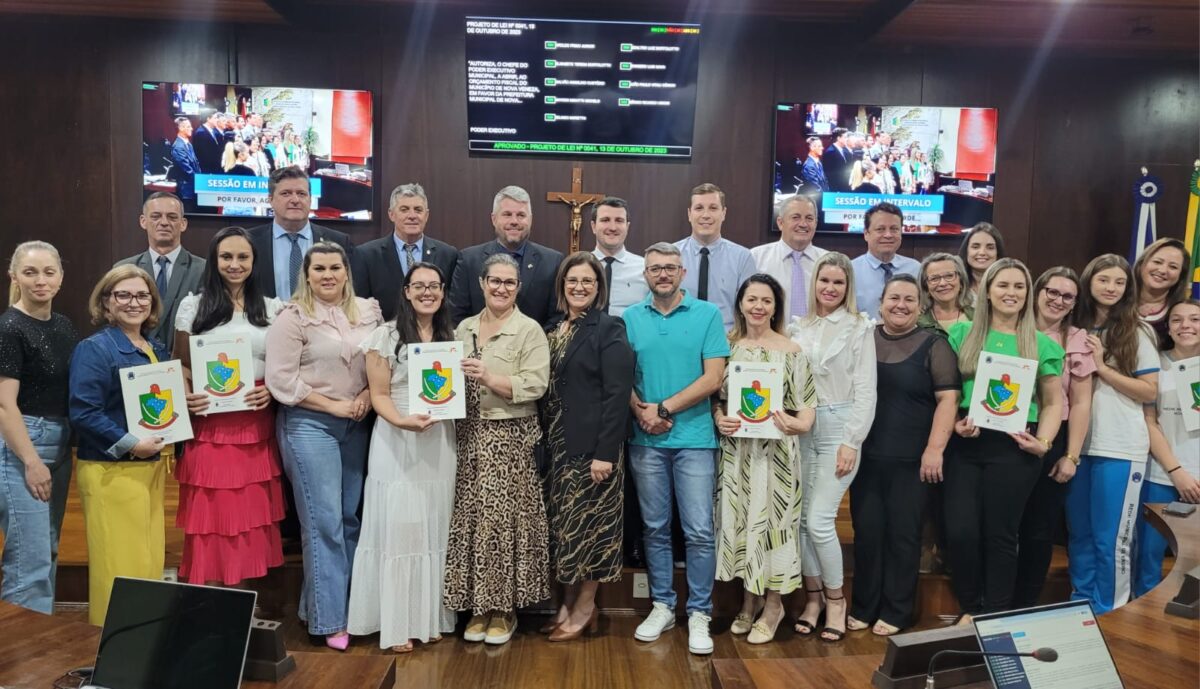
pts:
[1074, 130]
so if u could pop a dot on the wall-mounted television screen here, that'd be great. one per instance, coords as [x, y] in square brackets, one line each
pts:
[938, 165]
[572, 87]
[215, 145]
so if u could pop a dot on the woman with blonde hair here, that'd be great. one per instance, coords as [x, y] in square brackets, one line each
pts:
[991, 473]
[839, 342]
[316, 370]
[120, 476]
[35, 459]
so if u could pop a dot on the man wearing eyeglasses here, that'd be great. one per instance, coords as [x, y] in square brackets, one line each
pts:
[384, 263]
[512, 221]
[884, 231]
[681, 349]
[175, 270]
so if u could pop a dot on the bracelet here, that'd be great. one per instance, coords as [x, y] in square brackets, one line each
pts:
[1047, 443]
[1177, 468]
[1073, 459]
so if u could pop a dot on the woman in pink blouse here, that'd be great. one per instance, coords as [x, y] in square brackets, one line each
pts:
[317, 372]
[1054, 295]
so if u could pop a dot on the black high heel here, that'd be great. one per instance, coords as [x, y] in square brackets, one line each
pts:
[838, 634]
[810, 627]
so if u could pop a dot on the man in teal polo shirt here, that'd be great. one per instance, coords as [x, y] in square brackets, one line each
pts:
[681, 348]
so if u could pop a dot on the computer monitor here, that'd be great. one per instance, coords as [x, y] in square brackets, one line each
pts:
[164, 635]
[1084, 661]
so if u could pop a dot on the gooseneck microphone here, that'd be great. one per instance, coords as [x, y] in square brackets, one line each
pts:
[1046, 655]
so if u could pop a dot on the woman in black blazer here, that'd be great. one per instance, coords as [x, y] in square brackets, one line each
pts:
[585, 413]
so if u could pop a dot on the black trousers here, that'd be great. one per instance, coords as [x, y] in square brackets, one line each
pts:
[887, 502]
[988, 481]
[1044, 514]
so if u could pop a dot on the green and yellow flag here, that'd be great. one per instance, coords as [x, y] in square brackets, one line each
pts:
[1191, 237]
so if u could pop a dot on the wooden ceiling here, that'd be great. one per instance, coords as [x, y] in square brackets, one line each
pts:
[1109, 25]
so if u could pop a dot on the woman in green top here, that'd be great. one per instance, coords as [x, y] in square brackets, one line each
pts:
[990, 474]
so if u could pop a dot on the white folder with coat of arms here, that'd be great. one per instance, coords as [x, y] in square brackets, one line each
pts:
[156, 401]
[755, 392]
[219, 365]
[1002, 392]
[435, 380]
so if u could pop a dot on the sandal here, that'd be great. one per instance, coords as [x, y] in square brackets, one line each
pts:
[882, 628]
[406, 647]
[855, 625]
[804, 627]
[836, 634]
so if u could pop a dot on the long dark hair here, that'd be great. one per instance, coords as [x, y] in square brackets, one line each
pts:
[406, 318]
[777, 318]
[216, 307]
[1119, 332]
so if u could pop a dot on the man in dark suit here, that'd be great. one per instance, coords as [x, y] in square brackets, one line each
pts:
[209, 143]
[175, 271]
[279, 247]
[185, 167]
[838, 160]
[384, 263]
[812, 172]
[512, 219]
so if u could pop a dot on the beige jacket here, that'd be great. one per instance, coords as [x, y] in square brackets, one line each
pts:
[519, 351]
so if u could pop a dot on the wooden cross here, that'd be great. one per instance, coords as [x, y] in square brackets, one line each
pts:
[576, 199]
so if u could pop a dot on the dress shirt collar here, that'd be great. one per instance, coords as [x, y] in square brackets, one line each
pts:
[519, 251]
[693, 247]
[277, 231]
[400, 244]
[875, 263]
[620, 257]
[835, 317]
[172, 256]
[786, 251]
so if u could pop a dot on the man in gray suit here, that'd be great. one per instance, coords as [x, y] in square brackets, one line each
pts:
[176, 271]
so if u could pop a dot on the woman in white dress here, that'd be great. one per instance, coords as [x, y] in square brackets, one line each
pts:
[396, 588]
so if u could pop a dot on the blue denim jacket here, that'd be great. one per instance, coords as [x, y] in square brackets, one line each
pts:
[96, 407]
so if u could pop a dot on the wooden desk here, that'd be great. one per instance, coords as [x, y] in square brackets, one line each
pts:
[1151, 649]
[37, 649]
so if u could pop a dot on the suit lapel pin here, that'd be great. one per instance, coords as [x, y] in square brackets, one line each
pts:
[530, 266]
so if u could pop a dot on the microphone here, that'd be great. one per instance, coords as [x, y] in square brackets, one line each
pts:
[1046, 655]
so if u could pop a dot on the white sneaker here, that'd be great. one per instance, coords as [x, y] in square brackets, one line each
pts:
[699, 642]
[660, 619]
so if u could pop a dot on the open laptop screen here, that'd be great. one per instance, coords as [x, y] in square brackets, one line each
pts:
[1069, 628]
[162, 635]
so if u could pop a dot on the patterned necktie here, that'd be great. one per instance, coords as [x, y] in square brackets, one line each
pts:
[702, 281]
[799, 285]
[408, 257]
[294, 262]
[160, 281]
[888, 270]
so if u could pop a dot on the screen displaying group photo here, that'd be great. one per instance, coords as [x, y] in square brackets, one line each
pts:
[937, 164]
[215, 146]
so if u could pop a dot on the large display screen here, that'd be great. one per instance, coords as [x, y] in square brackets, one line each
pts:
[215, 145]
[938, 165]
[581, 87]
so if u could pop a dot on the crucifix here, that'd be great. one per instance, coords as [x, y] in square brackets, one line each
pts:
[576, 199]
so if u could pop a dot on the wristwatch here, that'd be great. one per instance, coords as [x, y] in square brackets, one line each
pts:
[663, 413]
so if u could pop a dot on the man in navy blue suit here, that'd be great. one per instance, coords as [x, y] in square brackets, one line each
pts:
[838, 160]
[185, 167]
[812, 172]
[209, 143]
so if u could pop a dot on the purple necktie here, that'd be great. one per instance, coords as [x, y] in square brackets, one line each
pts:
[799, 287]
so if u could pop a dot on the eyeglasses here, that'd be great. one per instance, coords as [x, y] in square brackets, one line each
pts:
[1053, 294]
[944, 277]
[127, 297]
[669, 269]
[422, 287]
[497, 283]
[581, 282]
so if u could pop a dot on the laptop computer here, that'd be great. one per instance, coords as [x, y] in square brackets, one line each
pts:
[165, 635]
[1070, 628]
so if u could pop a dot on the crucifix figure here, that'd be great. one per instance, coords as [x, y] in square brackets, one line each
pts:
[576, 199]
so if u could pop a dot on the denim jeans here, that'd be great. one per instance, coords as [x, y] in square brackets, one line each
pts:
[324, 457]
[690, 475]
[820, 550]
[31, 527]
